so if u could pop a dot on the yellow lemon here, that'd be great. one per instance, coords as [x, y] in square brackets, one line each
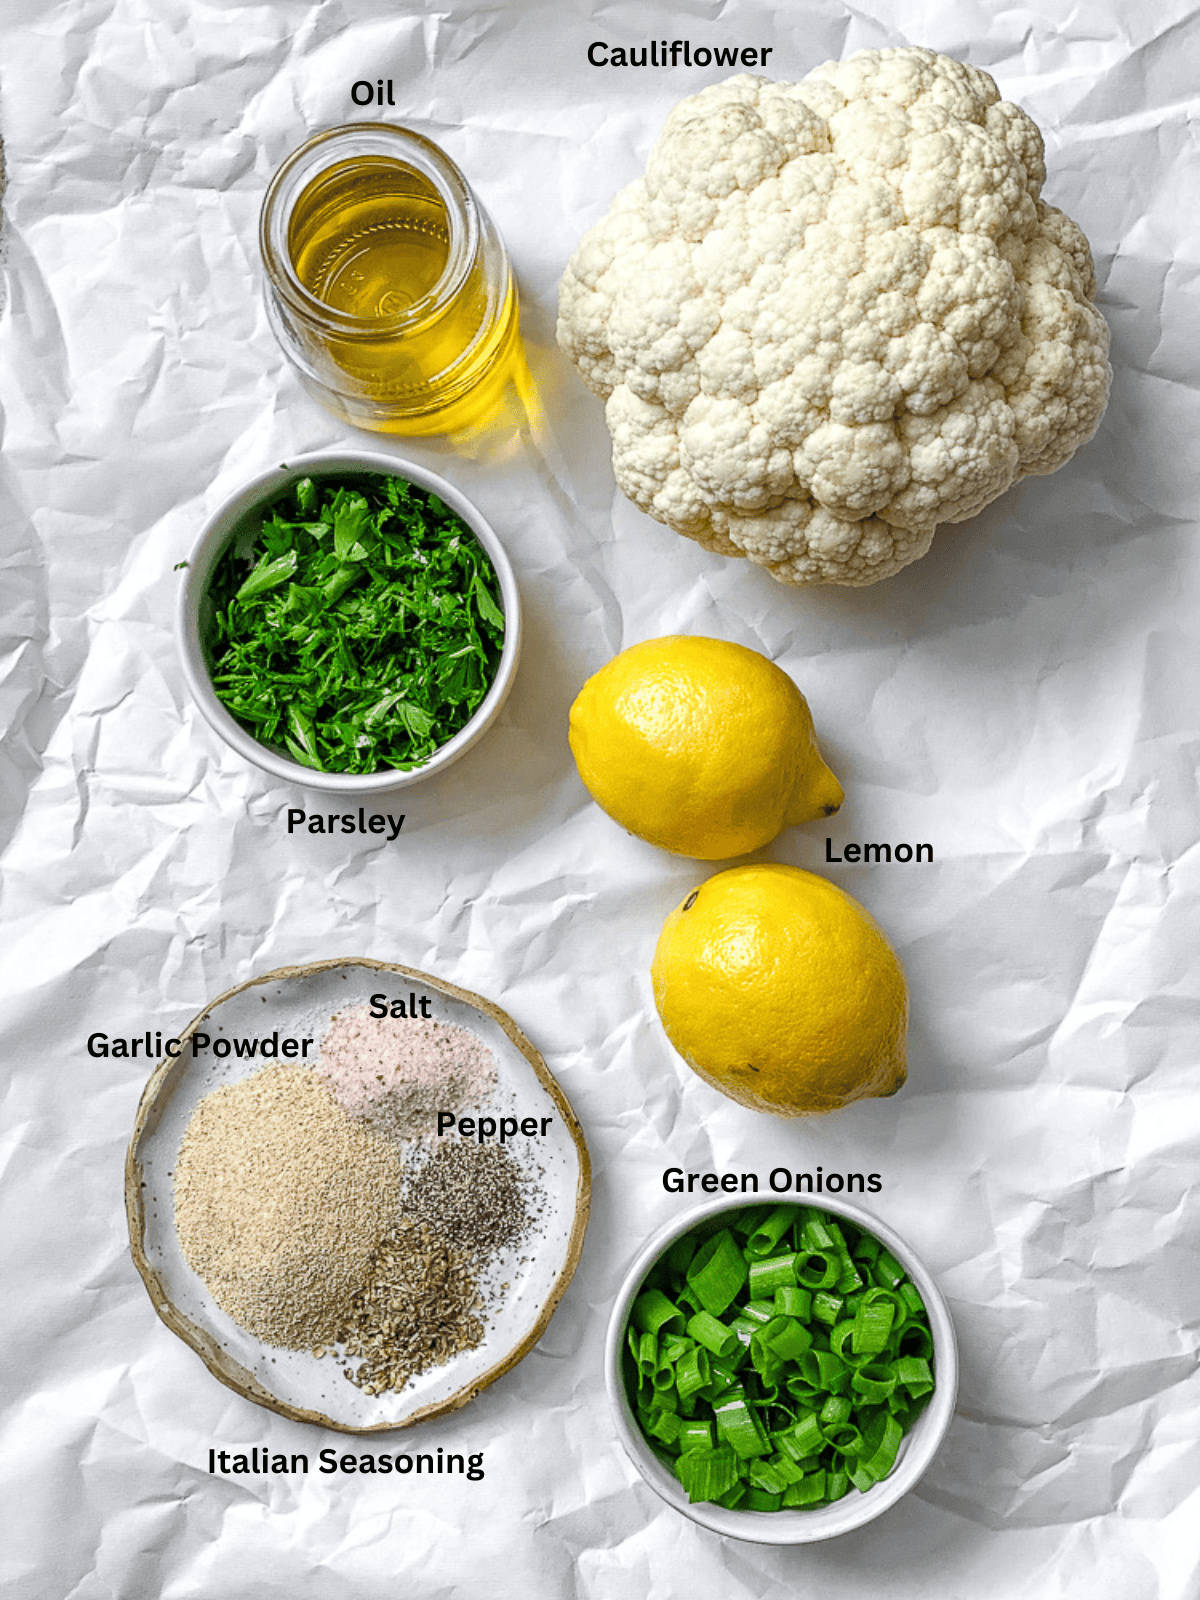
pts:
[779, 990]
[700, 746]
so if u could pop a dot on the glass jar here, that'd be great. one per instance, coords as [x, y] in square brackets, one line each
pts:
[388, 287]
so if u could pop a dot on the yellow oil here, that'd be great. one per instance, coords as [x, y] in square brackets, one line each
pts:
[371, 239]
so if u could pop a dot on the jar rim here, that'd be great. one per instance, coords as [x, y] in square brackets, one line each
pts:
[388, 142]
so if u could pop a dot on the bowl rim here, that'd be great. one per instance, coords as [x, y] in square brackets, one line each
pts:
[796, 1526]
[209, 546]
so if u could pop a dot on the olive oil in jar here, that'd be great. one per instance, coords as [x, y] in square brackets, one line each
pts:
[396, 300]
[369, 248]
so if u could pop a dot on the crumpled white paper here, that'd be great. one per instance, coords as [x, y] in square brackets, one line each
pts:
[1025, 699]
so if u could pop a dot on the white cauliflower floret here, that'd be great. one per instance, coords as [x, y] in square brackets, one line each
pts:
[836, 314]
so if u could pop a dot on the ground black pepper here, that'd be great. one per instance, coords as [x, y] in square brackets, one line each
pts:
[474, 1195]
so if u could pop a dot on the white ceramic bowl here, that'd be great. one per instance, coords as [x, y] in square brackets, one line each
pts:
[798, 1526]
[210, 546]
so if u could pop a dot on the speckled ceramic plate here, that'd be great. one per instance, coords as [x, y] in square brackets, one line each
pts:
[298, 1002]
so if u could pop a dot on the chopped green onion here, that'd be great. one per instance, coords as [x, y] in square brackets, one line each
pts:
[647, 1354]
[760, 1500]
[836, 1409]
[672, 1347]
[841, 1342]
[759, 1312]
[827, 1307]
[738, 1424]
[725, 1369]
[654, 1312]
[692, 1373]
[849, 1277]
[884, 1457]
[787, 1338]
[695, 1435]
[888, 1271]
[681, 1252]
[914, 1374]
[663, 1425]
[746, 1221]
[769, 1231]
[764, 1476]
[916, 1340]
[816, 1230]
[807, 1388]
[874, 1383]
[791, 1301]
[776, 1272]
[845, 1439]
[717, 1272]
[807, 1437]
[824, 1370]
[707, 1474]
[713, 1335]
[872, 1324]
[909, 1293]
[817, 1269]
[744, 1328]
[809, 1491]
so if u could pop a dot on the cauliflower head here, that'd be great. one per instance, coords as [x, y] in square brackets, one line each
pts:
[836, 313]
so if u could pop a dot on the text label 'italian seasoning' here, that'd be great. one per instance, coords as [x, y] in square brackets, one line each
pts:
[268, 1463]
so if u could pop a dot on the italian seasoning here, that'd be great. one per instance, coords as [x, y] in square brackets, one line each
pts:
[419, 1307]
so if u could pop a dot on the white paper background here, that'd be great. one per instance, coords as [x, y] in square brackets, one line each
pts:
[1025, 698]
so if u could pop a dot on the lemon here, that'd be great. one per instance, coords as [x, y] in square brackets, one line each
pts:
[779, 990]
[700, 746]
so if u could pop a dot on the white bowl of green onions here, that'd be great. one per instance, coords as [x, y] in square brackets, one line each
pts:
[780, 1373]
[349, 622]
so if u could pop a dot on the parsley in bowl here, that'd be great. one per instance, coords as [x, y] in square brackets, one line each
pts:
[349, 622]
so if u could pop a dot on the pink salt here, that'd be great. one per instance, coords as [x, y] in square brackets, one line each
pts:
[397, 1073]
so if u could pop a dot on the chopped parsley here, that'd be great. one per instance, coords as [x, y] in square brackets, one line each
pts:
[358, 629]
